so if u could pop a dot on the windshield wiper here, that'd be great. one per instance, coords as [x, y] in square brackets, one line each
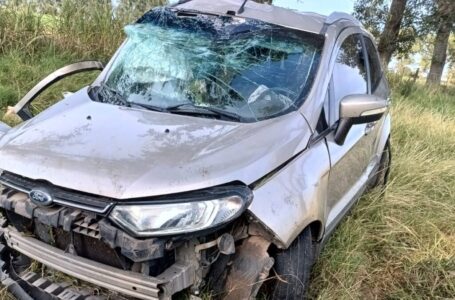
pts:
[148, 106]
[189, 108]
[106, 94]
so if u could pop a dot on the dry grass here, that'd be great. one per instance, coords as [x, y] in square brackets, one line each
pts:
[400, 245]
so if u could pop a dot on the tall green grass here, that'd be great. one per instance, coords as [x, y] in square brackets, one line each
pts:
[38, 37]
[401, 244]
[87, 29]
[394, 245]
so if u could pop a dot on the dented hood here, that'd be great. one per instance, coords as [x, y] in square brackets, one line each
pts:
[127, 153]
[3, 129]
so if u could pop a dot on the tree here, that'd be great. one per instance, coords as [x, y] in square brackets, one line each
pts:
[389, 36]
[424, 48]
[396, 26]
[445, 18]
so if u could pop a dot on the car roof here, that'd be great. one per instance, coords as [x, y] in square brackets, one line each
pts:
[305, 21]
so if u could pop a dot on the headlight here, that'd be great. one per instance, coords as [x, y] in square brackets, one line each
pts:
[178, 218]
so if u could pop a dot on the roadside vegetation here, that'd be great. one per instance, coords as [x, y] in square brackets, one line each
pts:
[396, 244]
[400, 244]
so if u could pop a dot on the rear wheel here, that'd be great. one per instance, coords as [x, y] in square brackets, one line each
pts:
[293, 267]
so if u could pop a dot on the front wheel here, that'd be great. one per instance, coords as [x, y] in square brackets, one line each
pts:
[293, 268]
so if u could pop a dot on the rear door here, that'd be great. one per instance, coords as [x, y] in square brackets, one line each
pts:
[350, 163]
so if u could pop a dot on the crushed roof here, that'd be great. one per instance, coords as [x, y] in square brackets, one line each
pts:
[305, 21]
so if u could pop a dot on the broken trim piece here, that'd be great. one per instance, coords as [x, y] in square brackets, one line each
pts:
[125, 282]
[62, 196]
[22, 107]
[250, 269]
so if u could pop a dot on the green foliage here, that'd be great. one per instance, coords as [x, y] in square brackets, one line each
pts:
[374, 13]
[91, 30]
[400, 244]
[424, 46]
[438, 11]
[38, 37]
[396, 245]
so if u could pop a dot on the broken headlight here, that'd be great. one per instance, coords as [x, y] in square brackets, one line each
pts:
[172, 218]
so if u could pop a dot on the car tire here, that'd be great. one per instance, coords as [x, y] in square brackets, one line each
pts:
[293, 268]
[382, 175]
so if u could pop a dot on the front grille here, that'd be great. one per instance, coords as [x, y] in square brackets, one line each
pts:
[88, 228]
[60, 195]
[90, 248]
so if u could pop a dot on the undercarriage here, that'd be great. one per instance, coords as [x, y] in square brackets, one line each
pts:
[75, 237]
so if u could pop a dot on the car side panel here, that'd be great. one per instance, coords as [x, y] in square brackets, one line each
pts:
[350, 162]
[383, 134]
[3, 128]
[294, 197]
[352, 165]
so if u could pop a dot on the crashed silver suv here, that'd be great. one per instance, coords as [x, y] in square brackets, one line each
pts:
[214, 154]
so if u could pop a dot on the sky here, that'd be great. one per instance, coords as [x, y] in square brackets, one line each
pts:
[324, 7]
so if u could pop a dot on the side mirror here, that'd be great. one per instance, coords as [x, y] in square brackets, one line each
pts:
[22, 107]
[358, 109]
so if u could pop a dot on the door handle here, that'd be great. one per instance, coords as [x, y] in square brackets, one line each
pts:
[369, 128]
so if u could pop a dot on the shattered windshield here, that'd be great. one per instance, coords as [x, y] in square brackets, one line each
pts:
[212, 65]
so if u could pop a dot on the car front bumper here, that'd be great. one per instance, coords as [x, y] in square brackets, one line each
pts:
[175, 278]
[85, 245]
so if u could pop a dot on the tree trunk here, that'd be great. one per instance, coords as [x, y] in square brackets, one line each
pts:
[441, 43]
[388, 39]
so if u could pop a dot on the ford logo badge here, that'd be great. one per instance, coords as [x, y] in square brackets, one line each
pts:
[40, 197]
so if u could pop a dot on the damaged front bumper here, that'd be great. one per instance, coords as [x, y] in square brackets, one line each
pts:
[88, 246]
[175, 278]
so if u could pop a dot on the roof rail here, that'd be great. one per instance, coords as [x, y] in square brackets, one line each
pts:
[174, 3]
[338, 16]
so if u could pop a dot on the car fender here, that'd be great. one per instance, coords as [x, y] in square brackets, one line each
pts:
[295, 196]
[384, 134]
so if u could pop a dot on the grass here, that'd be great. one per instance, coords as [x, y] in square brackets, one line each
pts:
[401, 244]
[394, 245]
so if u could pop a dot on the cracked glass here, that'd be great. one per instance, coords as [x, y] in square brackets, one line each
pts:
[186, 62]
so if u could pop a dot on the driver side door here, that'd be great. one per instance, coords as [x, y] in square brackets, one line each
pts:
[350, 161]
[22, 108]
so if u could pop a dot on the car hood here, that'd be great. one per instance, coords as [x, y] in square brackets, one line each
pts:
[126, 153]
[3, 128]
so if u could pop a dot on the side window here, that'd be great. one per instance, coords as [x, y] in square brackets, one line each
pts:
[349, 74]
[375, 64]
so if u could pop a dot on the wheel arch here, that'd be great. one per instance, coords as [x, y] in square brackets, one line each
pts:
[317, 230]
[384, 136]
[295, 198]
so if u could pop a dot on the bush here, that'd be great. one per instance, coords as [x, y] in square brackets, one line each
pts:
[91, 30]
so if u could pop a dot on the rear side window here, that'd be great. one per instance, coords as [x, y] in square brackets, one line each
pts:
[375, 65]
[349, 73]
